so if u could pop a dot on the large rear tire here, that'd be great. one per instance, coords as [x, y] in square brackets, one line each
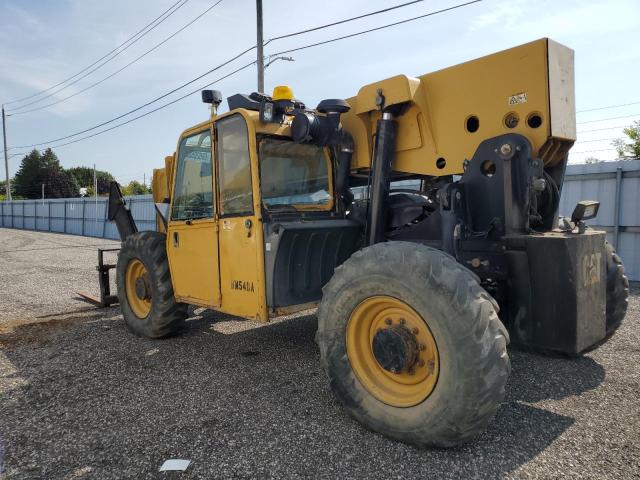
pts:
[144, 285]
[617, 289]
[393, 295]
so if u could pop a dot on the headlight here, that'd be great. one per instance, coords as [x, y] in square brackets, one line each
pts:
[585, 210]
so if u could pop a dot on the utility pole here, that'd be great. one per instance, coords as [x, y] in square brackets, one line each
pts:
[260, 44]
[6, 157]
[43, 194]
[95, 189]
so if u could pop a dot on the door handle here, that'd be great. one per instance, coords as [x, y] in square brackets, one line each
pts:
[176, 240]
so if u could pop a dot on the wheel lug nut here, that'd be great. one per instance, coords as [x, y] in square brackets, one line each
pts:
[422, 347]
[421, 363]
[402, 321]
[414, 330]
[388, 321]
[412, 371]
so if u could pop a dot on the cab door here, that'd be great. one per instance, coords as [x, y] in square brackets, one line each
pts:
[192, 238]
[240, 234]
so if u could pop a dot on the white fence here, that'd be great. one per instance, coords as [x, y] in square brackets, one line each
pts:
[616, 185]
[77, 216]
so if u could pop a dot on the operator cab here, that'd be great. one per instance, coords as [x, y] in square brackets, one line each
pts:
[254, 228]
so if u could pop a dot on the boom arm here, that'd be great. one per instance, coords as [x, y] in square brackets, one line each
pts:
[444, 116]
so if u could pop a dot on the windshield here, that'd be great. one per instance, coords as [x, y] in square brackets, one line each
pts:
[293, 173]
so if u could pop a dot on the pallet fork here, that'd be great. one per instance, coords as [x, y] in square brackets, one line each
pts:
[119, 213]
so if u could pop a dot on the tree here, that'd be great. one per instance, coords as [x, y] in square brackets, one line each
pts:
[3, 191]
[37, 169]
[592, 160]
[135, 188]
[629, 147]
[84, 177]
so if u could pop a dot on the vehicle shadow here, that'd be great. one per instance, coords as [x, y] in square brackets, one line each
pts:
[519, 432]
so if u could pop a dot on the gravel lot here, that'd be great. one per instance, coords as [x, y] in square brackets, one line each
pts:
[80, 397]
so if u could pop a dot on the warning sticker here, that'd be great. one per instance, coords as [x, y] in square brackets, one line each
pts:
[517, 98]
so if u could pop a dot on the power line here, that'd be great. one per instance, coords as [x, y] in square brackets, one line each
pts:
[155, 109]
[339, 22]
[594, 151]
[377, 28]
[106, 55]
[121, 69]
[596, 140]
[610, 118]
[602, 129]
[607, 107]
[226, 76]
[118, 50]
[15, 112]
[218, 67]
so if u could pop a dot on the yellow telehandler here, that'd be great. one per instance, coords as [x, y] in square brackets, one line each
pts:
[420, 216]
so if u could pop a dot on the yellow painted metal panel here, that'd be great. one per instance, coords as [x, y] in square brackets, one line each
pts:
[233, 254]
[434, 132]
[241, 274]
[241, 243]
[159, 186]
[192, 249]
[193, 260]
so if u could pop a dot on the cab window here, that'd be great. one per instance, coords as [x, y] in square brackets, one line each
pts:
[234, 167]
[193, 194]
[293, 173]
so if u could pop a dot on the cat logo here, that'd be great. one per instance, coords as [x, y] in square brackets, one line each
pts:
[591, 269]
[240, 285]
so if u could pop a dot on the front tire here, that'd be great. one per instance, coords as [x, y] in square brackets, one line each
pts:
[395, 290]
[144, 285]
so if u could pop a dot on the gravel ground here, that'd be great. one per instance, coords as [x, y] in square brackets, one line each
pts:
[80, 397]
[40, 273]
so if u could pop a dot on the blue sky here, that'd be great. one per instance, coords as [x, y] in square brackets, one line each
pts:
[43, 42]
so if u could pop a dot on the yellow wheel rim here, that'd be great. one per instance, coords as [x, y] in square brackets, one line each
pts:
[138, 288]
[379, 318]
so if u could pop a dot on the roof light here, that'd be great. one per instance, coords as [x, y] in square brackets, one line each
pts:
[282, 92]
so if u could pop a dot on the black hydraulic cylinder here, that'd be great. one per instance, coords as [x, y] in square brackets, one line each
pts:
[385, 150]
[344, 169]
